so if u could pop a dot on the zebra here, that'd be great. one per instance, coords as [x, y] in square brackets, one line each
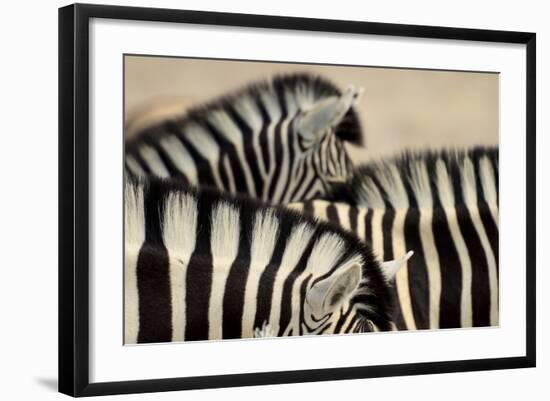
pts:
[443, 205]
[280, 141]
[203, 265]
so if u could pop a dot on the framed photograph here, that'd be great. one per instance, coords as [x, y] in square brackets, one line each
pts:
[295, 199]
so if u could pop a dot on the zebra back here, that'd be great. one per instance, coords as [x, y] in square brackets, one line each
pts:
[444, 207]
[279, 141]
[203, 265]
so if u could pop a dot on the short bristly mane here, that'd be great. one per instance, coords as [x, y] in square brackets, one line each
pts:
[422, 173]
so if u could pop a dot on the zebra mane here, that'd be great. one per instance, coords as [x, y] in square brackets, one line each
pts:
[302, 89]
[459, 177]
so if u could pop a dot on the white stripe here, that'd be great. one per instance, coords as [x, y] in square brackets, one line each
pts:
[376, 230]
[134, 236]
[224, 245]
[180, 157]
[296, 166]
[229, 172]
[445, 190]
[281, 181]
[361, 215]
[285, 133]
[402, 276]
[489, 186]
[343, 215]
[295, 246]
[431, 257]
[310, 174]
[153, 160]
[206, 146]
[248, 111]
[320, 209]
[420, 184]
[470, 195]
[179, 236]
[275, 113]
[226, 126]
[296, 206]
[264, 236]
[396, 193]
[134, 166]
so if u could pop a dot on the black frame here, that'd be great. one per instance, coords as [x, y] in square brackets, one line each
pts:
[74, 191]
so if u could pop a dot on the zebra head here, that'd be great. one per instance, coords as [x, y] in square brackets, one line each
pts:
[320, 143]
[349, 300]
[280, 141]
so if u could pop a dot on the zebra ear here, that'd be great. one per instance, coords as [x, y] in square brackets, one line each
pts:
[327, 113]
[391, 267]
[328, 294]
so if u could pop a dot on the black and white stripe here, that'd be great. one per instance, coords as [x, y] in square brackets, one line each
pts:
[444, 207]
[202, 265]
[279, 141]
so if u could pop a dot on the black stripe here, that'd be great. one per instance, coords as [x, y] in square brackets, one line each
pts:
[368, 227]
[143, 164]
[491, 229]
[338, 328]
[353, 215]
[224, 175]
[481, 299]
[387, 232]
[387, 226]
[235, 286]
[449, 262]
[494, 163]
[267, 279]
[278, 145]
[205, 175]
[309, 208]
[352, 323]
[263, 139]
[489, 224]
[332, 215]
[302, 320]
[228, 149]
[310, 165]
[153, 278]
[417, 270]
[248, 148]
[286, 299]
[198, 280]
[300, 182]
[173, 171]
[291, 139]
[451, 273]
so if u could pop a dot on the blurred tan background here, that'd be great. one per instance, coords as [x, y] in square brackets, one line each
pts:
[400, 108]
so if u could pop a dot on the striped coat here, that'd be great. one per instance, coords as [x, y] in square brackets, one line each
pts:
[203, 265]
[444, 207]
[279, 141]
